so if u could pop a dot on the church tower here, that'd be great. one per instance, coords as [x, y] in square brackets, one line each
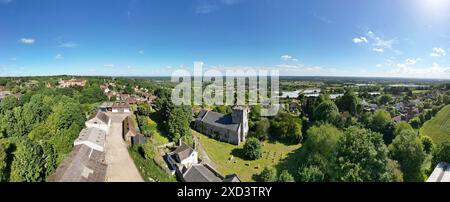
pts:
[240, 115]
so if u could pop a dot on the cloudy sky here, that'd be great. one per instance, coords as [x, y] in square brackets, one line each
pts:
[383, 38]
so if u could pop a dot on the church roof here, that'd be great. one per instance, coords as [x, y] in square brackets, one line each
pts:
[218, 120]
[232, 178]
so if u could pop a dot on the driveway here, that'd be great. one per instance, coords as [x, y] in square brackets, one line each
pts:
[121, 166]
[202, 150]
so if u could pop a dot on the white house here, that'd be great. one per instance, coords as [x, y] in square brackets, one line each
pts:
[120, 107]
[93, 138]
[183, 157]
[100, 121]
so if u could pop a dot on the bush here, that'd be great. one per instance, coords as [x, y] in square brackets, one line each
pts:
[269, 174]
[285, 176]
[252, 149]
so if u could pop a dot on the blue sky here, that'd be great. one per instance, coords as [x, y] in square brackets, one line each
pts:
[387, 38]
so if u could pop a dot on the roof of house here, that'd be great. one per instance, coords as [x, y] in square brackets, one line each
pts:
[232, 178]
[120, 105]
[83, 164]
[139, 139]
[218, 120]
[106, 104]
[128, 127]
[92, 137]
[99, 116]
[200, 173]
[441, 173]
[183, 151]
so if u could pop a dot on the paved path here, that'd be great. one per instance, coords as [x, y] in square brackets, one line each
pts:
[205, 156]
[121, 167]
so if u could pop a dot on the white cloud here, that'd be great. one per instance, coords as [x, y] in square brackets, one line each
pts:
[286, 57]
[68, 45]
[59, 56]
[27, 41]
[438, 52]
[379, 42]
[379, 50]
[435, 71]
[360, 40]
[410, 61]
[109, 65]
[379, 65]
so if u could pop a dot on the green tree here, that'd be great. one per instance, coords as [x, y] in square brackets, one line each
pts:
[252, 149]
[408, 150]
[311, 173]
[28, 164]
[92, 94]
[8, 103]
[415, 122]
[441, 153]
[384, 99]
[285, 176]
[361, 156]
[269, 174]
[348, 102]
[382, 123]
[286, 127]
[49, 159]
[178, 121]
[6, 148]
[428, 144]
[66, 113]
[394, 171]
[144, 109]
[319, 152]
[402, 126]
[262, 129]
[326, 111]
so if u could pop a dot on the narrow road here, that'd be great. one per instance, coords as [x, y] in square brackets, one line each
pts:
[121, 167]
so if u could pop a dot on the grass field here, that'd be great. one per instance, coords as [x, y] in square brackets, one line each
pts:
[158, 138]
[438, 128]
[274, 154]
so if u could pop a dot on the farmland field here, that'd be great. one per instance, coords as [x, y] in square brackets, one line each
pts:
[438, 128]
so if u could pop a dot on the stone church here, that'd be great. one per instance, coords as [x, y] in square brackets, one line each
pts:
[231, 128]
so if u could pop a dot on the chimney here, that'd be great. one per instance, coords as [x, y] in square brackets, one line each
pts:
[179, 142]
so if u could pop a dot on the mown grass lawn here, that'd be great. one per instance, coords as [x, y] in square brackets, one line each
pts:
[275, 154]
[438, 128]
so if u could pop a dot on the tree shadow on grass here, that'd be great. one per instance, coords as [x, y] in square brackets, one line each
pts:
[291, 163]
[156, 117]
[239, 152]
